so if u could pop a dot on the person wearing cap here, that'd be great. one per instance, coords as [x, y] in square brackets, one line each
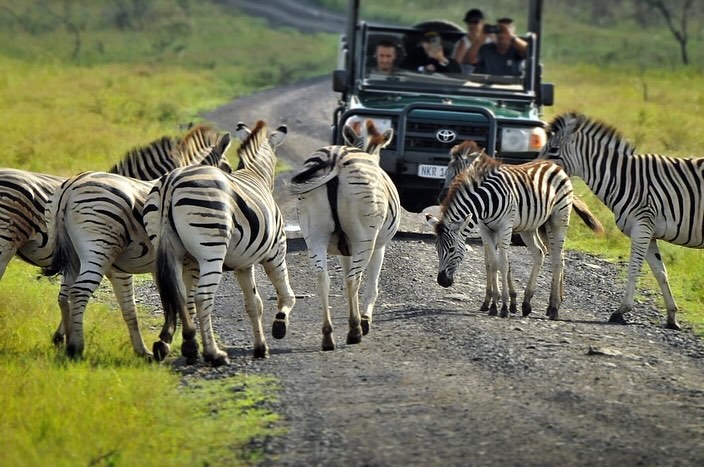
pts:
[432, 59]
[505, 56]
[474, 19]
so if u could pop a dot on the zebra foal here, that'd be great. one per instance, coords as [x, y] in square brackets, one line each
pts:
[501, 199]
[219, 222]
[348, 206]
[653, 197]
[96, 229]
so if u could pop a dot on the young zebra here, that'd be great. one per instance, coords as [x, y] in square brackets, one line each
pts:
[653, 197]
[348, 206]
[461, 156]
[95, 225]
[501, 199]
[221, 222]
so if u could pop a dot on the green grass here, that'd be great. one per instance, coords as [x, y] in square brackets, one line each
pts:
[63, 114]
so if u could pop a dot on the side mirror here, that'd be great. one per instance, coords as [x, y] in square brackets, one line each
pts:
[547, 93]
[340, 80]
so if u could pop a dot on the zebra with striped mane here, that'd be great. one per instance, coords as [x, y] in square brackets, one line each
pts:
[348, 207]
[461, 156]
[501, 199]
[96, 229]
[653, 197]
[220, 222]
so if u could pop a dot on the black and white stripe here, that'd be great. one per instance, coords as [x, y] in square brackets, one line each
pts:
[348, 206]
[95, 225]
[220, 222]
[653, 197]
[501, 199]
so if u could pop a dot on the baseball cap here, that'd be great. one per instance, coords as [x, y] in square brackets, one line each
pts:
[474, 14]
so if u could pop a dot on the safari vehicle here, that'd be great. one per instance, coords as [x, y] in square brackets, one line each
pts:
[430, 113]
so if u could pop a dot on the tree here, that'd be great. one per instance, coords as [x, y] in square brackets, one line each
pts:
[677, 26]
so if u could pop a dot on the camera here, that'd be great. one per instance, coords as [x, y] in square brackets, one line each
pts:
[491, 29]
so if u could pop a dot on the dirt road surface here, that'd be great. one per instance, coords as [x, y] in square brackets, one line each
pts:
[437, 382]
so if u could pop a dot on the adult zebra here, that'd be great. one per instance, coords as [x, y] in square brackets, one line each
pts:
[501, 199]
[220, 222]
[348, 206]
[95, 226]
[653, 197]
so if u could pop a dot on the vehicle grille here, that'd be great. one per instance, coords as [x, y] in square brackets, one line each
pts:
[420, 135]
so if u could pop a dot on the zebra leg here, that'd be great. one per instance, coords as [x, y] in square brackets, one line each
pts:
[255, 309]
[640, 239]
[80, 292]
[511, 292]
[60, 333]
[352, 267]
[556, 236]
[371, 287]
[488, 291]
[503, 270]
[210, 276]
[277, 272]
[189, 343]
[491, 259]
[656, 264]
[123, 286]
[537, 251]
[318, 258]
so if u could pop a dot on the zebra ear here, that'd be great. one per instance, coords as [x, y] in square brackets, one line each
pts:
[388, 136]
[224, 143]
[432, 220]
[242, 131]
[278, 136]
[349, 135]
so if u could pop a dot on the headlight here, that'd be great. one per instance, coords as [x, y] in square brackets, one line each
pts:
[522, 139]
[381, 124]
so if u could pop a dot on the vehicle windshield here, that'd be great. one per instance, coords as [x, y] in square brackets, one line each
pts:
[380, 43]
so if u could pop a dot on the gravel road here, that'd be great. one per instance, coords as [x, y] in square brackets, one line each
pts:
[436, 381]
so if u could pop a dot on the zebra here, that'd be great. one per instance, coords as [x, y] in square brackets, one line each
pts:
[349, 207]
[461, 156]
[220, 222]
[96, 228]
[367, 137]
[500, 199]
[653, 197]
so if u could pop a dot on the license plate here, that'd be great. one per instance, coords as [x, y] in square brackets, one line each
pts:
[432, 171]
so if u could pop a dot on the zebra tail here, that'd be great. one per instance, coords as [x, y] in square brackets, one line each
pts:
[168, 278]
[64, 259]
[311, 178]
[589, 219]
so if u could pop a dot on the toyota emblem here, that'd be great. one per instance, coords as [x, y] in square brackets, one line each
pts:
[445, 135]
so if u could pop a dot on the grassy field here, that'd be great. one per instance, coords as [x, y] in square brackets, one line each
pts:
[140, 74]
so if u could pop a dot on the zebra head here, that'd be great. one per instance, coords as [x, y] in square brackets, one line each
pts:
[450, 245]
[461, 156]
[366, 137]
[560, 141]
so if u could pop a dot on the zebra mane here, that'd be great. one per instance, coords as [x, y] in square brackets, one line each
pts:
[206, 134]
[573, 122]
[136, 155]
[247, 152]
[477, 171]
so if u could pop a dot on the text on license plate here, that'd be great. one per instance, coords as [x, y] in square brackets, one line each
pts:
[431, 171]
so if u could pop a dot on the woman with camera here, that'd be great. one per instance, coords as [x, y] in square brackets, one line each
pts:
[474, 19]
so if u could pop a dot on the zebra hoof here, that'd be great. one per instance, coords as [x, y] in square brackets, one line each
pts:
[261, 352]
[526, 309]
[484, 306]
[58, 339]
[513, 309]
[74, 351]
[673, 325]
[328, 342]
[161, 350]
[493, 311]
[189, 349]
[354, 336]
[617, 318]
[366, 324]
[278, 328]
[219, 359]
[552, 313]
[504, 312]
